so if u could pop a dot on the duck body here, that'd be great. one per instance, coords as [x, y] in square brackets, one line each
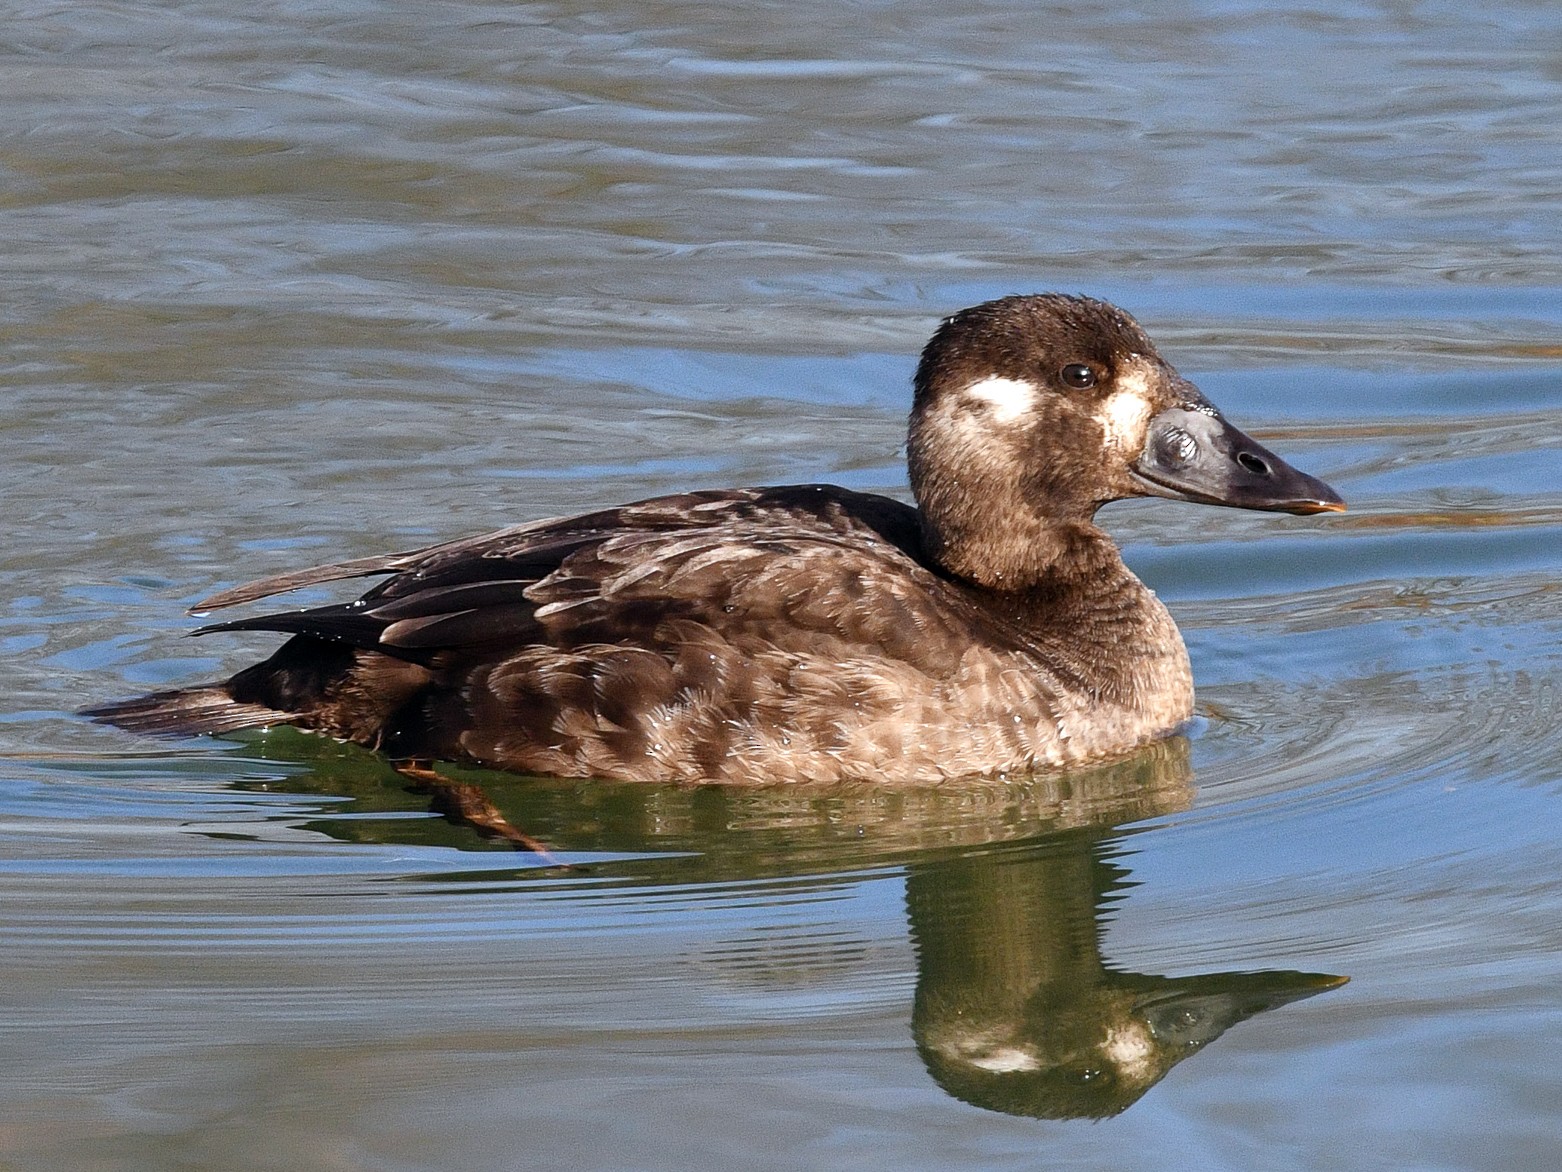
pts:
[800, 632]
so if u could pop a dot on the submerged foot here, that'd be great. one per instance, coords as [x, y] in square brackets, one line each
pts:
[466, 802]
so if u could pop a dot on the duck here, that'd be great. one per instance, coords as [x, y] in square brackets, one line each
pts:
[800, 632]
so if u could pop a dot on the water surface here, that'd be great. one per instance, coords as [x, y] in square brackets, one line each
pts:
[289, 284]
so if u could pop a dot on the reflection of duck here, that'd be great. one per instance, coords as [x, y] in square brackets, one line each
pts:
[1015, 1010]
[802, 633]
[1007, 886]
[716, 833]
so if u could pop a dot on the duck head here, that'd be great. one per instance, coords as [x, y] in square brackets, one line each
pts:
[1032, 412]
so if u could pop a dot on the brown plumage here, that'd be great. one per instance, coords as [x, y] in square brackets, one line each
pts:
[803, 632]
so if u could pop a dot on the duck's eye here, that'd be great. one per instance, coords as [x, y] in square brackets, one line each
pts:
[1078, 375]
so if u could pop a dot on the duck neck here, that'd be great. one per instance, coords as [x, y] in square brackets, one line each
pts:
[1090, 618]
[1028, 552]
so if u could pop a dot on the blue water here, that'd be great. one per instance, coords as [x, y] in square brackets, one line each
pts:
[292, 284]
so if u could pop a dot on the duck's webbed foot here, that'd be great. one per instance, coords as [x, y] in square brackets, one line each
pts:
[465, 802]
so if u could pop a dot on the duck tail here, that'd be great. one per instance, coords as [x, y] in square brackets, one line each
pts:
[207, 709]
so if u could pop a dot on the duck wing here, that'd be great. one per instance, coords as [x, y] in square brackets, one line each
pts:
[799, 559]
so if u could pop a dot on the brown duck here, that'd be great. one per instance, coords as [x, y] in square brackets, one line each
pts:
[804, 632]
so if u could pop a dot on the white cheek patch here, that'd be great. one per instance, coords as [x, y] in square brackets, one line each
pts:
[1007, 398]
[1130, 1049]
[1008, 1060]
[1125, 415]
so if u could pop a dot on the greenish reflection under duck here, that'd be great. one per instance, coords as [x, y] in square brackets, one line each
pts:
[1008, 889]
[1017, 1011]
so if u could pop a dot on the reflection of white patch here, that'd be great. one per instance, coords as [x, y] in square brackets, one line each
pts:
[1009, 398]
[1008, 1060]
[1129, 1048]
[1126, 412]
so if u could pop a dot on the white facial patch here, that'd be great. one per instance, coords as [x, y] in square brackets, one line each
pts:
[1008, 1060]
[1129, 1048]
[1007, 398]
[1125, 415]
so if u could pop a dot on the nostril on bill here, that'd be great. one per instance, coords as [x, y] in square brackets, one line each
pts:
[1253, 464]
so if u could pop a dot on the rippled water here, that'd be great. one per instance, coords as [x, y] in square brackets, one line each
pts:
[289, 283]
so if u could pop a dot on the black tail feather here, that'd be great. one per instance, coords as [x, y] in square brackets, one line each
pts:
[207, 709]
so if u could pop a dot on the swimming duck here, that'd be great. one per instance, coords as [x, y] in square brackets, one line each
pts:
[805, 632]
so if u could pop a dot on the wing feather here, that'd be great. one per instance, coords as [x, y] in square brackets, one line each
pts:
[298, 579]
[828, 561]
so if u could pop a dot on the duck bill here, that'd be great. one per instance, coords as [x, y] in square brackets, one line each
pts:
[1192, 454]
